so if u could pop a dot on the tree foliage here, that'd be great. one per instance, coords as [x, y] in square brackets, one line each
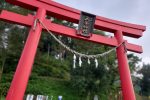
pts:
[145, 82]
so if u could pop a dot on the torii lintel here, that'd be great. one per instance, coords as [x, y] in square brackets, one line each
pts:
[63, 12]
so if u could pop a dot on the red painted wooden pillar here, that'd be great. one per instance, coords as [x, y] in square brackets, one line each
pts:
[124, 71]
[20, 80]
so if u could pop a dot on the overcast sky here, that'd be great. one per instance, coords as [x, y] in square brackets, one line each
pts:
[132, 11]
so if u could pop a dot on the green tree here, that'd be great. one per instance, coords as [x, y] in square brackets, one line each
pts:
[133, 62]
[88, 79]
[145, 82]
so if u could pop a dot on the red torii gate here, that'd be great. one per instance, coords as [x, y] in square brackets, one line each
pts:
[48, 7]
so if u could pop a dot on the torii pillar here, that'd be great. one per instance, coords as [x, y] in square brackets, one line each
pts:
[124, 71]
[21, 77]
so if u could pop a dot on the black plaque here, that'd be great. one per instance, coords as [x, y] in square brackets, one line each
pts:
[86, 24]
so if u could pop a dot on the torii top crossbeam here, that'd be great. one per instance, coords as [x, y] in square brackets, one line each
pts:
[63, 12]
[51, 8]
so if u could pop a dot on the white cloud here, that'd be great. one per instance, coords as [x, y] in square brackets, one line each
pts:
[146, 60]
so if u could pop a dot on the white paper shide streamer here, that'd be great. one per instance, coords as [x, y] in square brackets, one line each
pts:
[80, 61]
[74, 61]
[96, 63]
[89, 61]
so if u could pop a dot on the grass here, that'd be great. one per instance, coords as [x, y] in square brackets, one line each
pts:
[52, 87]
[49, 86]
[2, 98]
[138, 97]
[46, 86]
